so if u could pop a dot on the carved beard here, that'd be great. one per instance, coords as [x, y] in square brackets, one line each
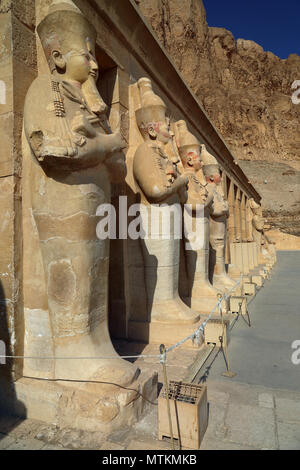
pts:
[93, 97]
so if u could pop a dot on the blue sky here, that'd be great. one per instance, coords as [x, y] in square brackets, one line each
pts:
[275, 25]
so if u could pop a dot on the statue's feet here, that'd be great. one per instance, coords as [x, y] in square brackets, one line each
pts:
[205, 289]
[228, 286]
[174, 311]
[116, 371]
[205, 298]
[105, 367]
[224, 281]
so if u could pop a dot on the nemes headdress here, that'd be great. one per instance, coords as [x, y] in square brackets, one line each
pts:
[63, 28]
[152, 109]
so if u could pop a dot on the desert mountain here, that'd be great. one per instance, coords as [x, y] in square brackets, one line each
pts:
[247, 93]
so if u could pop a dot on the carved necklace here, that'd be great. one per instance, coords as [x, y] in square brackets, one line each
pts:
[58, 101]
[60, 112]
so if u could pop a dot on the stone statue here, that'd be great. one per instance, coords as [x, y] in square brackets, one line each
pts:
[266, 249]
[270, 247]
[218, 222]
[67, 145]
[257, 229]
[161, 190]
[202, 295]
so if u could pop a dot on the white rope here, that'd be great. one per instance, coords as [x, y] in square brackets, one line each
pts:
[162, 357]
[81, 357]
[200, 329]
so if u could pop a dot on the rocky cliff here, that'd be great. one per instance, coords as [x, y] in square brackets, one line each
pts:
[247, 92]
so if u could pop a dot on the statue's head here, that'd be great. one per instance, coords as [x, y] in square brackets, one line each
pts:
[211, 168]
[151, 116]
[256, 208]
[68, 40]
[188, 147]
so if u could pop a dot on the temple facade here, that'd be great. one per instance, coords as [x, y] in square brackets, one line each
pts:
[94, 112]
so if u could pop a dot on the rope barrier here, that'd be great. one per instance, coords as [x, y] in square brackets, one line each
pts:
[195, 335]
[81, 357]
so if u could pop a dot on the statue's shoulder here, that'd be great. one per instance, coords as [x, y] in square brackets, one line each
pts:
[143, 154]
[39, 94]
[40, 85]
[144, 148]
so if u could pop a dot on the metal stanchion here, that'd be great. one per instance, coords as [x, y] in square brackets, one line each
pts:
[223, 342]
[162, 350]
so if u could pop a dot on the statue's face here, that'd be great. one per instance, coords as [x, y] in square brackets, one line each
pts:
[79, 63]
[192, 159]
[159, 131]
[214, 178]
[162, 131]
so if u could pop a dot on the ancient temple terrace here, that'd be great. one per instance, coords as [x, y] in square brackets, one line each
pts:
[143, 305]
[257, 409]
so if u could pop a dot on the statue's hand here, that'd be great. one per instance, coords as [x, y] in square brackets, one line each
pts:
[81, 125]
[183, 183]
[120, 142]
[112, 143]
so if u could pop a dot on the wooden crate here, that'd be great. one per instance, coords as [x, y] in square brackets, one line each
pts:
[214, 329]
[257, 280]
[238, 304]
[249, 288]
[189, 413]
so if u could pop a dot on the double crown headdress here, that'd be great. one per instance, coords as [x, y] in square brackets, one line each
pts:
[63, 28]
[152, 109]
[210, 163]
[184, 138]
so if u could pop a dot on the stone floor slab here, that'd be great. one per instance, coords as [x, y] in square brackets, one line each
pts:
[8, 423]
[288, 436]
[26, 428]
[53, 447]
[26, 444]
[251, 426]
[149, 445]
[288, 410]
[217, 444]
[107, 445]
[5, 441]
[216, 421]
[266, 400]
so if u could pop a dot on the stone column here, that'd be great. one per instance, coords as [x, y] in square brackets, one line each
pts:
[237, 213]
[238, 233]
[231, 218]
[244, 233]
[227, 242]
[249, 236]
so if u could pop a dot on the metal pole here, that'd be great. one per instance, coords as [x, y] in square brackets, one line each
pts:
[162, 350]
[223, 341]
